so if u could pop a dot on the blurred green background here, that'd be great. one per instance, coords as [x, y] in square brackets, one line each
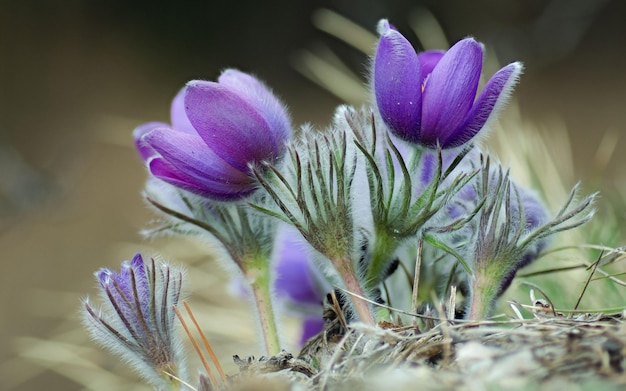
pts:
[76, 77]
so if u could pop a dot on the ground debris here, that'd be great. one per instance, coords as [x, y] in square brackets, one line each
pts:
[547, 352]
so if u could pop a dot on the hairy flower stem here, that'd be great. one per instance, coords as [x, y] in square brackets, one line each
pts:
[384, 247]
[259, 278]
[345, 267]
[485, 288]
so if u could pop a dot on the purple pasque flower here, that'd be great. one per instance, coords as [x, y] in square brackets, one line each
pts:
[299, 285]
[137, 318]
[430, 97]
[218, 130]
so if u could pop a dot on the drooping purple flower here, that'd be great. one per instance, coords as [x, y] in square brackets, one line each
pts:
[430, 97]
[218, 130]
[137, 318]
[299, 285]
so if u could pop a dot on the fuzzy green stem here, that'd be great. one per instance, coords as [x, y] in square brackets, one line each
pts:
[383, 249]
[259, 278]
[346, 270]
[168, 374]
[485, 287]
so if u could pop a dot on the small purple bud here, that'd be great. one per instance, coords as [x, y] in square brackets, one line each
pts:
[137, 319]
[219, 129]
[430, 98]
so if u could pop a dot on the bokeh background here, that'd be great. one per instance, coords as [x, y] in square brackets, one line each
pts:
[76, 76]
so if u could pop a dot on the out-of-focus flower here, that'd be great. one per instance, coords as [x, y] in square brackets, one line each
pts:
[430, 97]
[137, 319]
[218, 130]
[299, 285]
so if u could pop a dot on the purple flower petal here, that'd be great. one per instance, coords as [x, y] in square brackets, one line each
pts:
[397, 83]
[162, 169]
[311, 327]
[145, 151]
[230, 125]
[105, 277]
[119, 291]
[190, 155]
[450, 91]
[180, 122]
[491, 99]
[428, 166]
[294, 270]
[211, 189]
[141, 281]
[135, 304]
[260, 96]
[428, 60]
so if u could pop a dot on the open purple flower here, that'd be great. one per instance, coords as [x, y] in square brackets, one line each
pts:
[218, 130]
[137, 319]
[430, 97]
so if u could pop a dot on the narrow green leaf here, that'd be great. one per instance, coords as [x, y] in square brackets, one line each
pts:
[430, 239]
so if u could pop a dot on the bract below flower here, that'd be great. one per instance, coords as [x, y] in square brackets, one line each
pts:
[534, 214]
[218, 130]
[430, 98]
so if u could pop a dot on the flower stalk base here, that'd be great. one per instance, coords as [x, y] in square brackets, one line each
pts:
[485, 289]
[260, 284]
[361, 307]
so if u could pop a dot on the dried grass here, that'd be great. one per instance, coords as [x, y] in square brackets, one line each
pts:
[546, 352]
